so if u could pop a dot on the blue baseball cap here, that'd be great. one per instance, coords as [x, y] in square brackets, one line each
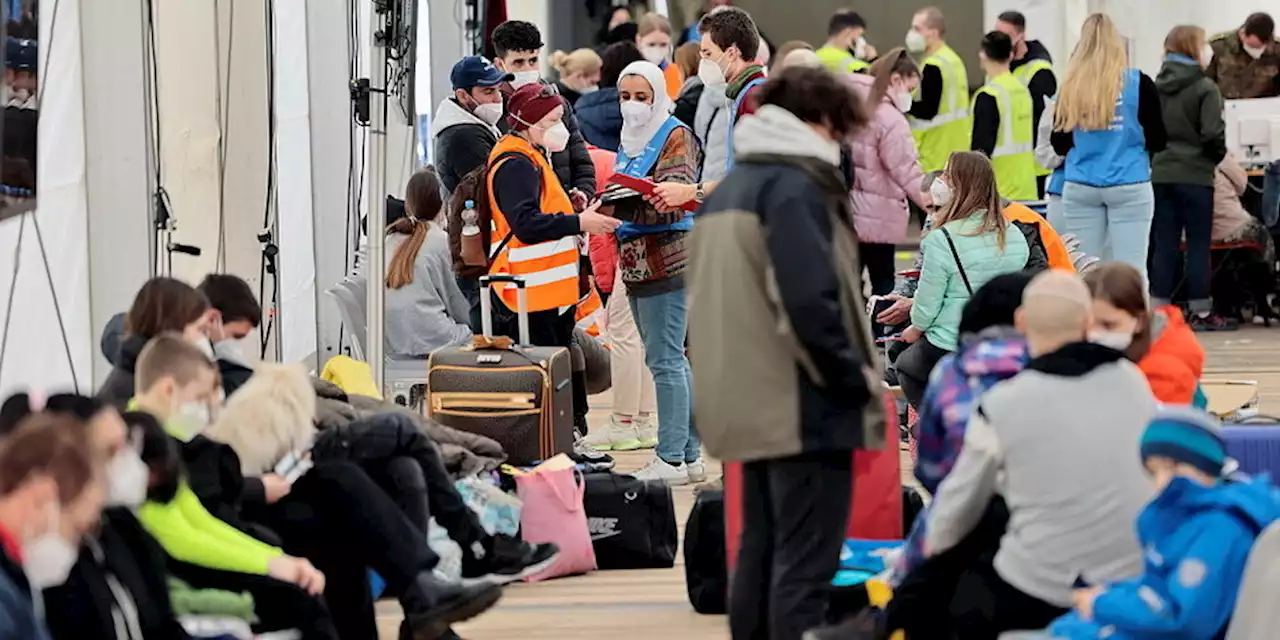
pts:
[475, 71]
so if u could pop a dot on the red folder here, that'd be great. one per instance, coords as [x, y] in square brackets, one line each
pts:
[645, 187]
[876, 513]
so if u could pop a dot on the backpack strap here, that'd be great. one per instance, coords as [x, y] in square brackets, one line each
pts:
[956, 254]
[493, 252]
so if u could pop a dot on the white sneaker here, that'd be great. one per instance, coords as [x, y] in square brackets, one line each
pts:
[615, 436]
[658, 469]
[697, 471]
[647, 432]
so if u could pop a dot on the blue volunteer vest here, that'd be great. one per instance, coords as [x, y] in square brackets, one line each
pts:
[639, 167]
[1117, 155]
[1057, 180]
[733, 118]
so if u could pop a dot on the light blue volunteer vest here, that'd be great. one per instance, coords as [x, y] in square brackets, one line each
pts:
[1057, 180]
[733, 118]
[1117, 155]
[639, 167]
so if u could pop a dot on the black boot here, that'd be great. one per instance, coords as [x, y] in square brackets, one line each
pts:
[432, 605]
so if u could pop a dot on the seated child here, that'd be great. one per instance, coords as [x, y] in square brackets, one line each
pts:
[1197, 533]
[333, 515]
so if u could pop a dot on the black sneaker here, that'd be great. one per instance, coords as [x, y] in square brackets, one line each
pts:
[868, 624]
[1212, 322]
[432, 606]
[507, 559]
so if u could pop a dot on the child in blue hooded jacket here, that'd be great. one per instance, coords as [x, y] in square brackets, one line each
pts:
[1196, 536]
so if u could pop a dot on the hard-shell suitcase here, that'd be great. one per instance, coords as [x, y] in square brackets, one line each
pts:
[522, 397]
[1255, 444]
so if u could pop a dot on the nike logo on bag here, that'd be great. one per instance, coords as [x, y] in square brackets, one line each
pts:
[601, 528]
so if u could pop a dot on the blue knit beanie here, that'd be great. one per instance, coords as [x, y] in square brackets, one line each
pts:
[1188, 435]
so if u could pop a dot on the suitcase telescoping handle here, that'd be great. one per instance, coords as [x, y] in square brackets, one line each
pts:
[522, 305]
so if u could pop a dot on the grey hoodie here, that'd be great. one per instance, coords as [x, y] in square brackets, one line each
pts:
[711, 124]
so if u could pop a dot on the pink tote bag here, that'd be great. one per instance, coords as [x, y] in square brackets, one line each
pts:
[553, 512]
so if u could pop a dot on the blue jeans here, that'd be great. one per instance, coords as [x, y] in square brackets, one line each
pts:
[1116, 217]
[662, 320]
[1053, 213]
[1182, 208]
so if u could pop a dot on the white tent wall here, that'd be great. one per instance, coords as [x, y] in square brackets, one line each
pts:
[35, 355]
[117, 161]
[297, 273]
[212, 62]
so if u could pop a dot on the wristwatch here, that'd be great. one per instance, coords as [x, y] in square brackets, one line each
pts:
[699, 193]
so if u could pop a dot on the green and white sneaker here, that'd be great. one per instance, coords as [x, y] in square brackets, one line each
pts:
[615, 436]
[647, 432]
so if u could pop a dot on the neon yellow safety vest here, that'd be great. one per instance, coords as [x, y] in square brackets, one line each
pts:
[951, 129]
[1024, 74]
[1014, 158]
[840, 60]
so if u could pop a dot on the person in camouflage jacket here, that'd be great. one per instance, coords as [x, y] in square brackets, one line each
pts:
[1246, 62]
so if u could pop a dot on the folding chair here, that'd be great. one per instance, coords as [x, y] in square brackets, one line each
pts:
[1256, 617]
[404, 381]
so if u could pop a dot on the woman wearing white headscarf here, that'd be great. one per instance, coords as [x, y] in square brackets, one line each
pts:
[652, 257]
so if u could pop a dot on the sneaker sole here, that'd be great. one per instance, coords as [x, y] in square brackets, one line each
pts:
[504, 579]
[648, 444]
[435, 624]
[627, 445]
[673, 482]
[698, 479]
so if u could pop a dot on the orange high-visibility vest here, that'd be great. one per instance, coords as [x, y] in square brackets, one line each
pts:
[675, 79]
[549, 269]
[587, 315]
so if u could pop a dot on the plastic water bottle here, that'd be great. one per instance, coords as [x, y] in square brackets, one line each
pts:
[470, 218]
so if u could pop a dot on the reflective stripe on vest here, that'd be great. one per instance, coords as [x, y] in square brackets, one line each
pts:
[549, 269]
[1024, 74]
[1013, 158]
[950, 130]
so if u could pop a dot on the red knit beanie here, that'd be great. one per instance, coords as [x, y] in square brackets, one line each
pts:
[530, 104]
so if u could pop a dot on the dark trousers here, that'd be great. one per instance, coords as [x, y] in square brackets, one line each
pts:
[1181, 208]
[1040, 182]
[794, 514]
[279, 606]
[548, 328]
[877, 259]
[471, 291]
[986, 606]
[339, 519]
[407, 465]
[920, 602]
[914, 366]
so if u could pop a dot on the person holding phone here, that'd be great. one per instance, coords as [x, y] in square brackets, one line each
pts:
[652, 257]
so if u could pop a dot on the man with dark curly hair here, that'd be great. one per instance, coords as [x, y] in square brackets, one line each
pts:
[518, 46]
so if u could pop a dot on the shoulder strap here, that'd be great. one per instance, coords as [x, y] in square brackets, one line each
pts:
[956, 254]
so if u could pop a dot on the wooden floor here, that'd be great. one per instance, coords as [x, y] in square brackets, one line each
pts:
[640, 605]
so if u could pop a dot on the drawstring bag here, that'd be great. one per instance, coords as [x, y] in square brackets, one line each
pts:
[553, 512]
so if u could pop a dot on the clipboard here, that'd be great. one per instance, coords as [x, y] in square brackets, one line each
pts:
[645, 187]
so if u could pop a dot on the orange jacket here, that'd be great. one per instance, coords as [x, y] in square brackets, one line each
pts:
[1059, 257]
[1175, 361]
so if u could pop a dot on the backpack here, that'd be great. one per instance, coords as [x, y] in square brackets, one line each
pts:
[1037, 255]
[471, 256]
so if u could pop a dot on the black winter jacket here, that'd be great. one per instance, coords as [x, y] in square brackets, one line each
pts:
[85, 605]
[462, 142]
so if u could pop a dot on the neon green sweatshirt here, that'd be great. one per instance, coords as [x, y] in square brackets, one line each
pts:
[189, 533]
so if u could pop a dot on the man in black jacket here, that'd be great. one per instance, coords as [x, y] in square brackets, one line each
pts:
[233, 313]
[1032, 65]
[517, 45]
[464, 126]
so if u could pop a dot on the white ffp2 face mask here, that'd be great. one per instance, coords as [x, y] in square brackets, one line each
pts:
[127, 477]
[1255, 52]
[48, 557]
[1118, 340]
[940, 193]
[525, 77]
[902, 100]
[556, 138]
[711, 74]
[915, 41]
[635, 114]
[189, 420]
[490, 112]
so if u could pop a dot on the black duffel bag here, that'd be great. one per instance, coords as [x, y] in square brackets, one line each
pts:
[632, 523]
[706, 575]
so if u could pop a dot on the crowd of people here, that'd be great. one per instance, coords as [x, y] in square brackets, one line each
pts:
[751, 257]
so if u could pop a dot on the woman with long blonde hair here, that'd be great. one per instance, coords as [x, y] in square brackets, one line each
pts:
[971, 243]
[1107, 122]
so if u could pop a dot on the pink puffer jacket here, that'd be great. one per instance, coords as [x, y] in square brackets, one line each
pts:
[886, 171]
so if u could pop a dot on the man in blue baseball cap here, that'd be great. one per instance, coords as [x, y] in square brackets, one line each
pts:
[464, 128]
[20, 73]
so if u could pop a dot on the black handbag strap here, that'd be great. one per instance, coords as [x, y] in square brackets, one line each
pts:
[956, 254]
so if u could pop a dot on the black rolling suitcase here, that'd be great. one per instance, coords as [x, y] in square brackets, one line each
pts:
[521, 397]
[706, 574]
[632, 522]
